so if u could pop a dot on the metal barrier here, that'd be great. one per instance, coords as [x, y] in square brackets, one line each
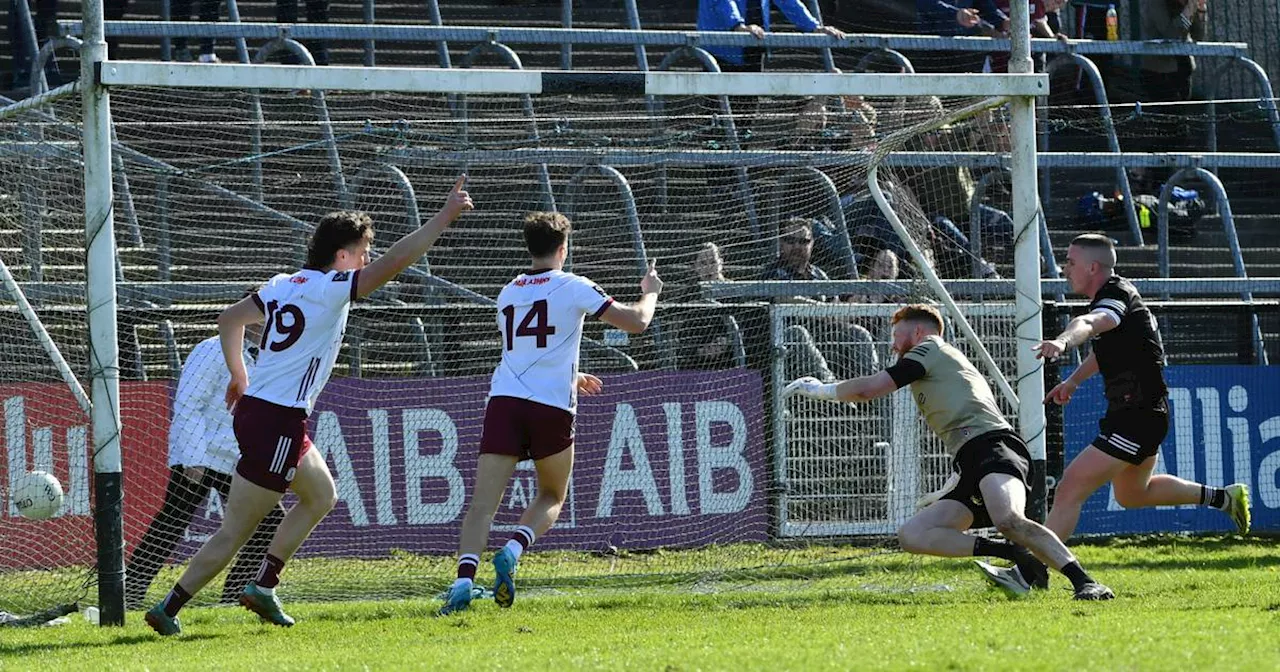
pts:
[1113, 141]
[322, 115]
[122, 151]
[654, 105]
[38, 85]
[571, 201]
[648, 38]
[1228, 227]
[975, 227]
[512, 59]
[233, 16]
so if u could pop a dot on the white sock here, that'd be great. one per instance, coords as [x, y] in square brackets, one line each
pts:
[515, 548]
[268, 591]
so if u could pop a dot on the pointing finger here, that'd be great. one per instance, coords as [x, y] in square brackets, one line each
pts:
[462, 182]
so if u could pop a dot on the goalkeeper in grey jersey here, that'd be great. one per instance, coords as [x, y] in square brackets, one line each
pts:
[989, 486]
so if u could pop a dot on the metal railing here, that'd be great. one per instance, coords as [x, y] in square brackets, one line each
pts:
[283, 37]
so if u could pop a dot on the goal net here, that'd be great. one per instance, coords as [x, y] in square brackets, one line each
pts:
[690, 468]
[44, 563]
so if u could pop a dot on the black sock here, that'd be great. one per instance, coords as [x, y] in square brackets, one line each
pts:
[178, 597]
[269, 573]
[995, 549]
[1073, 571]
[1215, 497]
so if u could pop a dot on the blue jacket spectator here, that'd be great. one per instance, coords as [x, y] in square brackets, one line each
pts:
[730, 14]
[939, 17]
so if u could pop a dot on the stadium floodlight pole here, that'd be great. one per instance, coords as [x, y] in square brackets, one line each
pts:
[1026, 258]
[100, 303]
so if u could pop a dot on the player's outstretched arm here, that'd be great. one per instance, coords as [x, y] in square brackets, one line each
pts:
[411, 248]
[634, 319]
[231, 324]
[865, 388]
[1061, 393]
[1080, 329]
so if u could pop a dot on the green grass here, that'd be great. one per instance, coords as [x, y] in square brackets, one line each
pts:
[1182, 603]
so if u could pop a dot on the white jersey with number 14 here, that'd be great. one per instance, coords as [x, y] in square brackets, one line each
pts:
[305, 318]
[540, 316]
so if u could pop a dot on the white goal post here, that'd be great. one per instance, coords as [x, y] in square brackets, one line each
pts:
[101, 76]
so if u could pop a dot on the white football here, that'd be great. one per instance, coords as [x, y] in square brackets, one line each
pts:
[38, 495]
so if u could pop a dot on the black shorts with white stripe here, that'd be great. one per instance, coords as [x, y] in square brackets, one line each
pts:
[1132, 435]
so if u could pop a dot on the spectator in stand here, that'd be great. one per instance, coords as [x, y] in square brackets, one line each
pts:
[706, 341]
[1167, 79]
[848, 345]
[752, 16]
[795, 255]
[113, 10]
[963, 17]
[317, 12]
[181, 11]
[1041, 26]
[884, 266]
[45, 18]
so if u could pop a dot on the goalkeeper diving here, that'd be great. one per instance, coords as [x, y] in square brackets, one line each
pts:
[989, 485]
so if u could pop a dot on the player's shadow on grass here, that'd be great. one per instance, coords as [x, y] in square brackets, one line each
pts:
[124, 640]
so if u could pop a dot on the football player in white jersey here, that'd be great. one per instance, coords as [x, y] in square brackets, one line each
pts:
[534, 396]
[305, 314]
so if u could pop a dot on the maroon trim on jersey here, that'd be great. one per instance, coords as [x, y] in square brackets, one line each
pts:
[257, 301]
[539, 271]
[608, 301]
[355, 283]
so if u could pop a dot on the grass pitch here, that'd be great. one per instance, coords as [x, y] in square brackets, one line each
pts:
[1182, 604]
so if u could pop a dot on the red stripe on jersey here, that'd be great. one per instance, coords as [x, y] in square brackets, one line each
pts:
[608, 301]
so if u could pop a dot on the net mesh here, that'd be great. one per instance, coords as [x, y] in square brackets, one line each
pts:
[45, 429]
[688, 448]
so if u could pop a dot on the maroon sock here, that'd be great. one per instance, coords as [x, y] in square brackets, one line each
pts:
[269, 574]
[523, 536]
[176, 599]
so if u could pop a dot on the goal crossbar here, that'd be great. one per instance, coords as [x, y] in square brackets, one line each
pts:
[497, 81]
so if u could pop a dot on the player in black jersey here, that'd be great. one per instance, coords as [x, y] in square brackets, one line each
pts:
[1128, 353]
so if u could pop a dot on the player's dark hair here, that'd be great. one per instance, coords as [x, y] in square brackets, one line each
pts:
[335, 231]
[544, 232]
[919, 312]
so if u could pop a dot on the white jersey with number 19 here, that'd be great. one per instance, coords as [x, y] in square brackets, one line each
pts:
[540, 317]
[305, 318]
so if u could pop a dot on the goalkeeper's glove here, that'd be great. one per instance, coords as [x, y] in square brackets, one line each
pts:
[812, 387]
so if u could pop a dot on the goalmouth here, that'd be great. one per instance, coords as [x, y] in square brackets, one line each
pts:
[100, 265]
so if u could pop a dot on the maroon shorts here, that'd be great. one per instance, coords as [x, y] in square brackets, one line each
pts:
[273, 439]
[525, 429]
